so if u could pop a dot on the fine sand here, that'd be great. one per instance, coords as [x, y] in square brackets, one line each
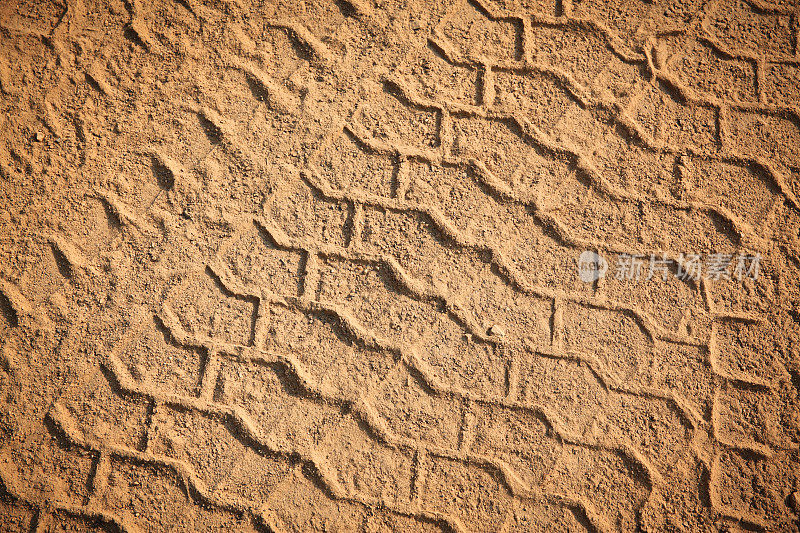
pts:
[314, 266]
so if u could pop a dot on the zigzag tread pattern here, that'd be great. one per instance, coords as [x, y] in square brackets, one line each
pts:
[366, 313]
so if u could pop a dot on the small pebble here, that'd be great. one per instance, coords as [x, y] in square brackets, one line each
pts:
[39, 136]
[497, 331]
[794, 500]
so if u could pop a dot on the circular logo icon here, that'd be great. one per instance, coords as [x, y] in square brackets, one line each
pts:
[591, 266]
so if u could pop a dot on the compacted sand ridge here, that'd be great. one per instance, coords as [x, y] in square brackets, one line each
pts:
[399, 265]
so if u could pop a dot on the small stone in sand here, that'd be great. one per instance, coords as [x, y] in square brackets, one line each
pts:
[497, 331]
[794, 500]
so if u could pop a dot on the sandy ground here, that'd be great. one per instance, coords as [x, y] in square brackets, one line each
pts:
[313, 266]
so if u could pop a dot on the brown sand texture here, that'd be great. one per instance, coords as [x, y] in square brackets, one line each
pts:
[399, 265]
